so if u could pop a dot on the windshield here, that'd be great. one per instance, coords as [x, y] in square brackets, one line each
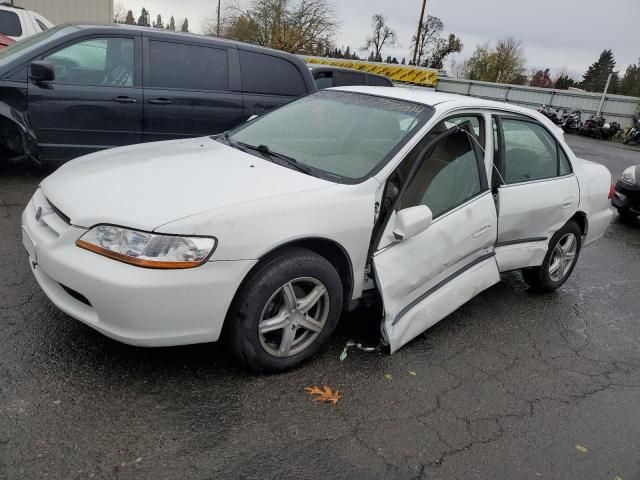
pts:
[13, 51]
[344, 134]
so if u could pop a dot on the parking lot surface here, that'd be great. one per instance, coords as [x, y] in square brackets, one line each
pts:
[513, 385]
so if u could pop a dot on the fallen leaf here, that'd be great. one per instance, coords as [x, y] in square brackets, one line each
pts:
[324, 395]
[413, 374]
[388, 376]
[582, 449]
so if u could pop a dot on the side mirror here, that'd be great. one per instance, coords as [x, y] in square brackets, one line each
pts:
[41, 71]
[412, 221]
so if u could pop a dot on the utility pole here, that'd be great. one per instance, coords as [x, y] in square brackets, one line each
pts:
[604, 95]
[415, 51]
[218, 28]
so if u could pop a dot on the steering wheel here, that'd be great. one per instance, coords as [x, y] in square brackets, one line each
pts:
[62, 67]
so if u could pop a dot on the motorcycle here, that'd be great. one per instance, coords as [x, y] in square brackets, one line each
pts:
[633, 135]
[551, 114]
[597, 127]
[571, 121]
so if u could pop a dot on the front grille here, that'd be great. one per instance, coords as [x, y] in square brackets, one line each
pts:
[64, 217]
[77, 295]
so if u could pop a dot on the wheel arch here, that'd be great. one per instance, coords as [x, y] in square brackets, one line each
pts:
[581, 219]
[329, 249]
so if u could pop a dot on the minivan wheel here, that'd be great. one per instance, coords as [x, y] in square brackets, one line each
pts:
[559, 262]
[284, 312]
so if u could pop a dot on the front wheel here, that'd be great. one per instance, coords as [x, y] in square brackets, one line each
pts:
[285, 312]
[561, 258]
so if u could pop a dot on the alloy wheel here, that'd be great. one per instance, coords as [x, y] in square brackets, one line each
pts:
[293, 317]
[563, 257]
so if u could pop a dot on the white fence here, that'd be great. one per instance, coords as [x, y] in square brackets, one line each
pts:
[616, 108]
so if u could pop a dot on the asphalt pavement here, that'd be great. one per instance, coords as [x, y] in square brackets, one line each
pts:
[513, 385]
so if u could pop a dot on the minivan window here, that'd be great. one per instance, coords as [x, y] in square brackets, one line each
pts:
[96, 61]
[377, 81]
[270, 75]
[187, 67]
[10, 24]
[349, 78]
[347, 135]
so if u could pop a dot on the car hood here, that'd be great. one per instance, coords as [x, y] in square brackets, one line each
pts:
[146, 186]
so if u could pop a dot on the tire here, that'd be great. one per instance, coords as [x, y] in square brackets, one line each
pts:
[266, 328]
[626, 215]
[556, 269]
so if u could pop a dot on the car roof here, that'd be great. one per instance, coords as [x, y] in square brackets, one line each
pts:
[445, 101]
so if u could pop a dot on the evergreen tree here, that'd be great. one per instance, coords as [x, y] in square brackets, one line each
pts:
[630, 83]
[130, 20]
[371, 57]
[347, 52]
[158, 23]
[394, 60]
[595, 78]
[145, 18]
[388, 59]
[185, 25]
[404, 61]
[564, 82]
[172, 24]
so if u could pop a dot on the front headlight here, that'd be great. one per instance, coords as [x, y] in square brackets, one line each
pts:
[147, 249]
[629, 176]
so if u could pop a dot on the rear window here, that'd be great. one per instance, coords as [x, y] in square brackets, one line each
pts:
[10, 24]
[270, 75]
[187, 67]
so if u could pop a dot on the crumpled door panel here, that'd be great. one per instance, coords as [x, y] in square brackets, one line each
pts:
[17, 139]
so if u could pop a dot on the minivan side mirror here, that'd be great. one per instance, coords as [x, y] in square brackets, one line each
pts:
[41, 71]
[412, 221]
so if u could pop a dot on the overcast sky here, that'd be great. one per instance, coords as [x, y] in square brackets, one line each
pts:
[555, 33]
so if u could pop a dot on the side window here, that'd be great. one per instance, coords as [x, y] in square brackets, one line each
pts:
[10, 24]
[378, 81]
[447, 177]
[187, 67]
[270, 75]
[324, 80]
[564, 167]
[98, 61]
[531, 153]
[476, 122]
[349, 78]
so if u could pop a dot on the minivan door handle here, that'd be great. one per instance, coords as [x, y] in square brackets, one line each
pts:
[481, 231]
[124, 99]
[160, 101]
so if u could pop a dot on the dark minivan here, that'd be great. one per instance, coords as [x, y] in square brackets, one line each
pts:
[75, 89]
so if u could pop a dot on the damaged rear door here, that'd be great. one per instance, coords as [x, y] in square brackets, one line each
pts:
[437, 249]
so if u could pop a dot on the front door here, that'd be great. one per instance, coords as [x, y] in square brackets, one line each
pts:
[94, 102]
[537, 192]
[424, 278]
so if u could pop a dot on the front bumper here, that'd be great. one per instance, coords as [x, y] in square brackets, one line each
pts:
[627, 197]
[134, 305]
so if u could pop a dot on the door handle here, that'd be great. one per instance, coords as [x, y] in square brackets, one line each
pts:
[160, 101]
[123, 99]
[481, 231]
[568, 203]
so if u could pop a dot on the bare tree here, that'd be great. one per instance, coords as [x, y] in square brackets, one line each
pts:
[119, 13]
[430, 33]
[503, 63]
[289, 25]
[381, 35]
[444, 48]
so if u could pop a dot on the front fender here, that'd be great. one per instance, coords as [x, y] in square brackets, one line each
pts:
[17, 139]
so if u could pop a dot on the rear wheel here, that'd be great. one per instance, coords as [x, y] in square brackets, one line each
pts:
[559, 262]
[285, 311]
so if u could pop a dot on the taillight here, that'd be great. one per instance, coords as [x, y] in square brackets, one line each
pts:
[612, 190]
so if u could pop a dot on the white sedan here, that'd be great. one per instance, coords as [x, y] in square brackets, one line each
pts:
[263, 236]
